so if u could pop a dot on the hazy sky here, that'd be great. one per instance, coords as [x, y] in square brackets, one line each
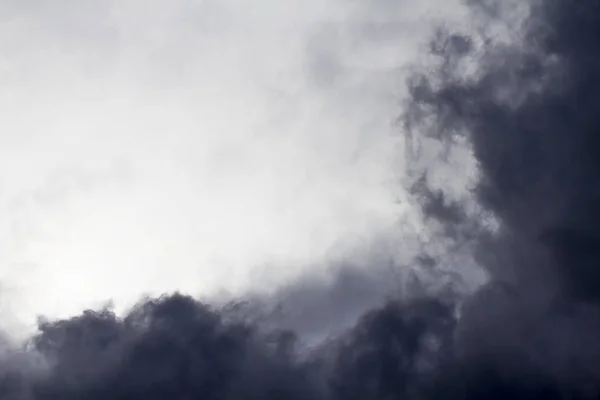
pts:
[150, 146]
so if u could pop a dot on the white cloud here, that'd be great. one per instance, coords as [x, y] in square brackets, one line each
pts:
[149, 146]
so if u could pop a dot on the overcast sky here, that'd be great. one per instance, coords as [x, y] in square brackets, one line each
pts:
[149, 146]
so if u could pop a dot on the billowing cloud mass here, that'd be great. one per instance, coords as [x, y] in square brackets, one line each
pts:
[517, 91]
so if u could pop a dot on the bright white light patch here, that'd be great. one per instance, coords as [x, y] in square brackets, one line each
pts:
[158, 146]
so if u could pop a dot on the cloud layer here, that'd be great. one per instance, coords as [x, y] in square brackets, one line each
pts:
[200, 146]
[518, 91]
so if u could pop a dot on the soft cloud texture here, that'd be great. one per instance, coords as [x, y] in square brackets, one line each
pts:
[527, 113]
[201, 146]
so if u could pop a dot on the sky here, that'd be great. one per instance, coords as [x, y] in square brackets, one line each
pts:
[206, 147]
[317, 180]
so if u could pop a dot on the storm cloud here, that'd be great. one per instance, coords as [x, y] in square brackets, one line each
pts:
[516, 91]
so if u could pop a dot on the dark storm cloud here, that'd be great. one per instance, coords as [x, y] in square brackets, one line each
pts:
[177, 348]
[529, 111]
[529, 116]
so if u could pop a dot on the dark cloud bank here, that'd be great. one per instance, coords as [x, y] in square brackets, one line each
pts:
[530, 112]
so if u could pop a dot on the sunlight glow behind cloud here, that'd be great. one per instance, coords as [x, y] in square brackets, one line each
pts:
[201, 146]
